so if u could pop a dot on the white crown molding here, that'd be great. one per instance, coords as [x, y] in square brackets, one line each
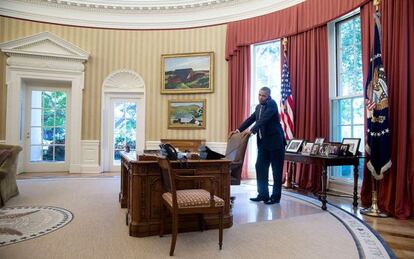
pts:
[141, 14]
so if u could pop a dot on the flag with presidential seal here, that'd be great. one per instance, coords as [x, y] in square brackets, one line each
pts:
[378, 145]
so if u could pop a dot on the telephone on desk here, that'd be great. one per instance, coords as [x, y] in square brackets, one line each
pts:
[168, 151]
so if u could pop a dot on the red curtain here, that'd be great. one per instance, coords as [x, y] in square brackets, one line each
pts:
[396, 190]
[239, 91]
[308, 63]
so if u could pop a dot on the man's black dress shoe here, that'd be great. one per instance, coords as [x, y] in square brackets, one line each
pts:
[259, 198]
[272, 201]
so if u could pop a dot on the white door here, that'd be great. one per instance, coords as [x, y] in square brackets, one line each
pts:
[122, 129]
[46, 129]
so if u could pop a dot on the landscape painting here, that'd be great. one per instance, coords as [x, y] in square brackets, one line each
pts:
[187, 73]
[187, 114]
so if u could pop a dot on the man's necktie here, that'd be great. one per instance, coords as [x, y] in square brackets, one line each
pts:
[260, 114]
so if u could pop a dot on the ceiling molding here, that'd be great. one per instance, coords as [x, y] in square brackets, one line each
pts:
[143, 14]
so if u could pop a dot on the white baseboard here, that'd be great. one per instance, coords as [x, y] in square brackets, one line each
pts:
[2, 141]
[342, 187]
[219, 147]
[90, 157]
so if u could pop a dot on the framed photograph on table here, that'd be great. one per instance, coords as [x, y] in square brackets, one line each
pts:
[319, 141]
[187, 73]
[353, 144]
[294, 145]
[307, 148]
[315, 149]
[334, 149]
[187, 114]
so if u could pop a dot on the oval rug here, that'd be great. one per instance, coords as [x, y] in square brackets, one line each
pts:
[26, 222]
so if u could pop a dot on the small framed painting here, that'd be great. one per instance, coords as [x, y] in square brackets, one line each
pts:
[294, 145]
[187, 114]
[187, 73]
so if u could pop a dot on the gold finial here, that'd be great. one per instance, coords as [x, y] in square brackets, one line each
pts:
[376, 4]
[285, 42]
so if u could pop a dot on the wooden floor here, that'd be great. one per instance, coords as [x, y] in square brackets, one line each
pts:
[399, 234]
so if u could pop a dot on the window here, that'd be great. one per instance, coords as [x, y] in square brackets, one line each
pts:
[47, 126]
[347, 103]
[265, 69]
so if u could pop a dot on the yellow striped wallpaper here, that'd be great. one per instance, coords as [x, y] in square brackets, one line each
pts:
[141, 52]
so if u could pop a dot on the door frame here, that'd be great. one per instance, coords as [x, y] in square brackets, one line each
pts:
[39, 166]
[107, 118]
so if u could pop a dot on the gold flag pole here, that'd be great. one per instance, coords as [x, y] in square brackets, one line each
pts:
[374, 210]
[288, 182]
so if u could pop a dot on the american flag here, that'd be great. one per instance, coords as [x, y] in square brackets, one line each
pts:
[286, 103]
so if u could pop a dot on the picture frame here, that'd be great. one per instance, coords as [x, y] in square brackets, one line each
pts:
[353, 144]
[334, 149]
[307, 148]
[344, 150]
[324, 149]
[319, 141]
[315, 149]
[187, 73]
[294, 145]
[187, 114]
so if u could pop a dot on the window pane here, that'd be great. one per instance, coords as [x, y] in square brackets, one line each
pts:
[59, 99]
[36, 136]
[48, 153]
[36, 117]
[345, 132]
[48, 134]
[35, 153]
[49, 117]
[47, 100]
[349, 57]
[60, 117]
[345, 112]
[60, 135]
[358, 107]
[60, 153]
[36, 99]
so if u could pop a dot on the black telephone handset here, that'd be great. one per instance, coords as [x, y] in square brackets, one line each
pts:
[168, 151]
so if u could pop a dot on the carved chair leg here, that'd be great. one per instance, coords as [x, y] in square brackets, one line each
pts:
[221, 228]
[174, 233]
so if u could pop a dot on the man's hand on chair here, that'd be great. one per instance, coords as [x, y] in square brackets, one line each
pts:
[233, 132]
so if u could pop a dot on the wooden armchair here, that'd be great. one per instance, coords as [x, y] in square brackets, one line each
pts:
[235, 152]
[188, 201]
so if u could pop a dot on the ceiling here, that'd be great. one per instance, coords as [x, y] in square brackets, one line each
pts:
[140, 14]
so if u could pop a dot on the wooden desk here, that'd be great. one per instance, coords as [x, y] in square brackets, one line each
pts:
[325, 162]
[185, 144]
[141, 192]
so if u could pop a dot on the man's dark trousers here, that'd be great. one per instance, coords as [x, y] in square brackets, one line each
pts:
[268, 154]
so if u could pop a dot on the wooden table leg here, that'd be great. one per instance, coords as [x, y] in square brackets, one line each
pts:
[355, 203]
[288, 181]
[322, 195]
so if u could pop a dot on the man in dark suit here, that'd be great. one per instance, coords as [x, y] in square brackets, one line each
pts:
[270, 144]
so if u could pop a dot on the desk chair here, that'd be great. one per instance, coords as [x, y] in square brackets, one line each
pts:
[188, 201]
[235, 152]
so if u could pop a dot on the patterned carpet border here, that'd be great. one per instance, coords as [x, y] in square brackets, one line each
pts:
[21, 223]
[369, 243]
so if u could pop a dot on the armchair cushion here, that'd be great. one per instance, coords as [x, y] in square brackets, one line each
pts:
[193, 198]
